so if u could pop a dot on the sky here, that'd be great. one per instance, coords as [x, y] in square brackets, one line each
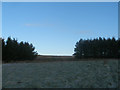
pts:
[55, 27]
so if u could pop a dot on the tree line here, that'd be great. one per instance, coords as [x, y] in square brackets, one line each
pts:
[97, 48]
[12, 50]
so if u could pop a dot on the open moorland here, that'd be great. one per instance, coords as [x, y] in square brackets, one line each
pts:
[61, 72]
[49, 58]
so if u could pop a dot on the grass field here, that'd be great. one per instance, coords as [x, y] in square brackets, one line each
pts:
[67, 74]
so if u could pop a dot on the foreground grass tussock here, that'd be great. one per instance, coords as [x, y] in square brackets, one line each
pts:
[68, 74]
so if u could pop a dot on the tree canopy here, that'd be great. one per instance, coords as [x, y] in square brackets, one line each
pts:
[13, 50]
[97, 48]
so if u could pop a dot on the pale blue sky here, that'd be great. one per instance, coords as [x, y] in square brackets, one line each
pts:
[54, 28]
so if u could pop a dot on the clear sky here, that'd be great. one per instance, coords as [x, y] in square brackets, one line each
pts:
[54, 28]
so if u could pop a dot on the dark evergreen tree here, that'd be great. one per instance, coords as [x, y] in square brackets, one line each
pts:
[98, 48]
[12, 50]
[118, 47]
[3, 49]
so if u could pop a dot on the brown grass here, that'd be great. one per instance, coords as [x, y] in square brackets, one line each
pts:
[45, 58]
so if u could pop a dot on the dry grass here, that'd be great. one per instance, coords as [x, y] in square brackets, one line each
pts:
[46, 58]
[67, 74]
